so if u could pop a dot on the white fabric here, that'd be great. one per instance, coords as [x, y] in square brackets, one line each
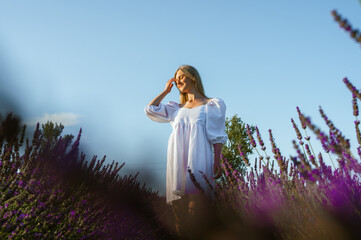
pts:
[195, 130]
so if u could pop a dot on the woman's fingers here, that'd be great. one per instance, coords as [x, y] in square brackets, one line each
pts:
[169, 85]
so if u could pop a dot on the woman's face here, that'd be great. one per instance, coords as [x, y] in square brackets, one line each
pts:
[184, 83]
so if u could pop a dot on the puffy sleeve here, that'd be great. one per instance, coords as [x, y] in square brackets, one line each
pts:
[162, 113]
[216, 121]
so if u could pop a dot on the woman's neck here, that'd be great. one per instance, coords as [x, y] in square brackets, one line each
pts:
[191, 96]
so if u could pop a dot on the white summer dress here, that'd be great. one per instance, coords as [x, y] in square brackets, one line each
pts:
[195, 130]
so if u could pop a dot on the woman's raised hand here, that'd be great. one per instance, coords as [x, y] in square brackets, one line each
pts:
[169, 85]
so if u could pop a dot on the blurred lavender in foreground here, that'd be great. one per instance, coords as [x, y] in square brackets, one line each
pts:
[50, 192]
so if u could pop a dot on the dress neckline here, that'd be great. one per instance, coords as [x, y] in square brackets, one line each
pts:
[197, 106]
[193, 107]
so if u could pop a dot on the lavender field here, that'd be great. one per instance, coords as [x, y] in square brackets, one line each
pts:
[49, 190]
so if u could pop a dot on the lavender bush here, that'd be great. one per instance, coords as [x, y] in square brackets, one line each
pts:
[296, 198]
[301, 197]
[50, 192]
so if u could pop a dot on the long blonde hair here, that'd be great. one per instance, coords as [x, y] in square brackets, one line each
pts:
[193, 74]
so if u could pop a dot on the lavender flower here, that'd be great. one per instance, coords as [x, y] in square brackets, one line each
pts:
[343, 23]
[251, 139]
[261, 143]
[311, 157]
[354, 105]
[272, 140]
[302, 118]
[244, 158]
[299, 136]
[353, 90]
[358, 133]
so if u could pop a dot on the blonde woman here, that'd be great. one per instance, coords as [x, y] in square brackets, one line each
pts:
[198, 124]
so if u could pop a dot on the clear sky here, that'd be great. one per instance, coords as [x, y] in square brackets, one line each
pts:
[95, 65]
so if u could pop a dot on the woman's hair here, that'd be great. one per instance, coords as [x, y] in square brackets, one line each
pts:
[193, 74]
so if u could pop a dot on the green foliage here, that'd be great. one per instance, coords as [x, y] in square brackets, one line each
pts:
[51, 132]
[237, 136]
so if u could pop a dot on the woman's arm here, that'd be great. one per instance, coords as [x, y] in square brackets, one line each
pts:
[159, 98]
[217, 159]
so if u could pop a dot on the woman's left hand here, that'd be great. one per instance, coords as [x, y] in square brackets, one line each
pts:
[217, 156]
[217, 169]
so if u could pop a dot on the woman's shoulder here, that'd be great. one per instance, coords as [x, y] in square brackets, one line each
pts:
[216, 105]
[215, 101]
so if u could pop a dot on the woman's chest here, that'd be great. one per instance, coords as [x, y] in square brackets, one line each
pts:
[190, 115]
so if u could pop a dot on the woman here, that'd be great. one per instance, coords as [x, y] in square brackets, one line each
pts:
[198, 124]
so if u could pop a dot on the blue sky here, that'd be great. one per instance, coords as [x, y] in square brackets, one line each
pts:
[95, 65]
